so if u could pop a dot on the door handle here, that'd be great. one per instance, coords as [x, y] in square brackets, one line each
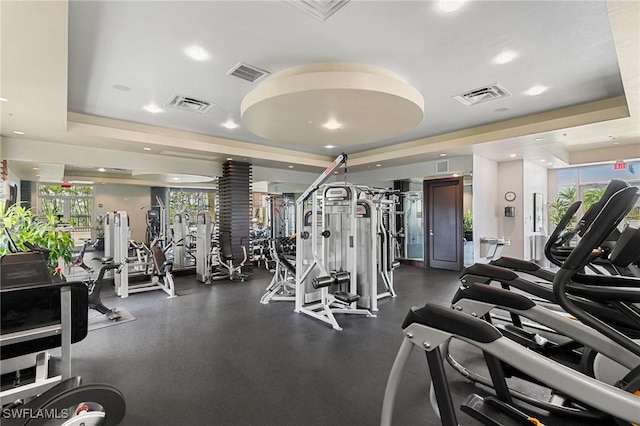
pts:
[431, 232]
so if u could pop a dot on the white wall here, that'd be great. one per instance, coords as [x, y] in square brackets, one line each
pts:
[535, 181]
[135, 200]
[427, 169]
[485, 203]
[510, 178]
[467, 196]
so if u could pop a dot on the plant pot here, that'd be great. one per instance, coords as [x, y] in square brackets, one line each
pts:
[100, 244]
[468, 235]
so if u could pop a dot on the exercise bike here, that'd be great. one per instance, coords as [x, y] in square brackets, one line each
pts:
[95, 287]
[433, 326]
[78, 259]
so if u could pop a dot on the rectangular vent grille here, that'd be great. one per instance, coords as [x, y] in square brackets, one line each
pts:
[442, 166]
[322, 9]
[248, 72]
[186, 103]
[482, 94]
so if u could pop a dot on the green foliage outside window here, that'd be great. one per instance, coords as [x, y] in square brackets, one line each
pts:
[559, 207]
[190, 201]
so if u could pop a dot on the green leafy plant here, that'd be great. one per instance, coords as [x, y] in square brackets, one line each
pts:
[559, 207]
[591, 196]
[99, 228]
[467, 221]
[25, 227]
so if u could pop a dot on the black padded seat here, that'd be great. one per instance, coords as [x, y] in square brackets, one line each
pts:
[490, 271]
[345, 297]
[104, 260]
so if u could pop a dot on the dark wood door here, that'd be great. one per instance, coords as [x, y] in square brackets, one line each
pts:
[443, 233]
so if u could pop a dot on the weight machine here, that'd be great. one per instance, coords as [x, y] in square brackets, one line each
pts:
[203, 246]
[326, 269]
[282, 285]
[376, 255]
[161, 277]
[180, 238]
[281, 218]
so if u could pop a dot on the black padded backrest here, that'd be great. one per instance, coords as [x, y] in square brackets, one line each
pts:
[627, 249]
[226, 250]
[158, 258]
[601, 226]
[614, 186]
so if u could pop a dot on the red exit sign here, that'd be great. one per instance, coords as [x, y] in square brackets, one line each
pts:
[620, 166]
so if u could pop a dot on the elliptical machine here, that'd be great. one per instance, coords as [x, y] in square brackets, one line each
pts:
[433, 326]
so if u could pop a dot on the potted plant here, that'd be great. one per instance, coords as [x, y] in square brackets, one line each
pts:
[467, 225]
[24, 226]
[99, 232]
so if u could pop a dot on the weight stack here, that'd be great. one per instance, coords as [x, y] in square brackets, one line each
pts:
[234, 192]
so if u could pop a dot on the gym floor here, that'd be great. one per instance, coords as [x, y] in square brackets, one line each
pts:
[216, 356]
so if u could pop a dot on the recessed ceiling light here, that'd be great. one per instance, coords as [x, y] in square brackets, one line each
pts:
[18, 132]
[329, 146]
[229, 158]
[197, 53]
[230, 124]
[615, 143]
[538, 139]
[176, 178]
[505, 57]
[456, 175]
[543, 161]
[291, 167]
[154, 109]
[443, 155]
[37, 175]
[513, 155]
[146, 148]
[503, 109]
[549, 164]
[36, 168]
[378, 165]
[332, 125]
[3, 99]
[450, 5]
[536, 90]
[335, 173]
[102, 169]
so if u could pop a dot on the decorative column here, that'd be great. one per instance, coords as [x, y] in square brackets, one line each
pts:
[234, 210]
[25, 193]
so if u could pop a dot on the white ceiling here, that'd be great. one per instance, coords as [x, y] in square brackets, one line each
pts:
[77, 74]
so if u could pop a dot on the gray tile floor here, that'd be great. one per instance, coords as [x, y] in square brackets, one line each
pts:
[216, 356]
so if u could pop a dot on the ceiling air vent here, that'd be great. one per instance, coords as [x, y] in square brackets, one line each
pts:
[189, 104]
[322, 9]
[482, 94]
[442, 166]
[248, 72]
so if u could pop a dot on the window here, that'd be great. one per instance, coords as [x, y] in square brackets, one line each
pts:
[192, 202]
[73, 205]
